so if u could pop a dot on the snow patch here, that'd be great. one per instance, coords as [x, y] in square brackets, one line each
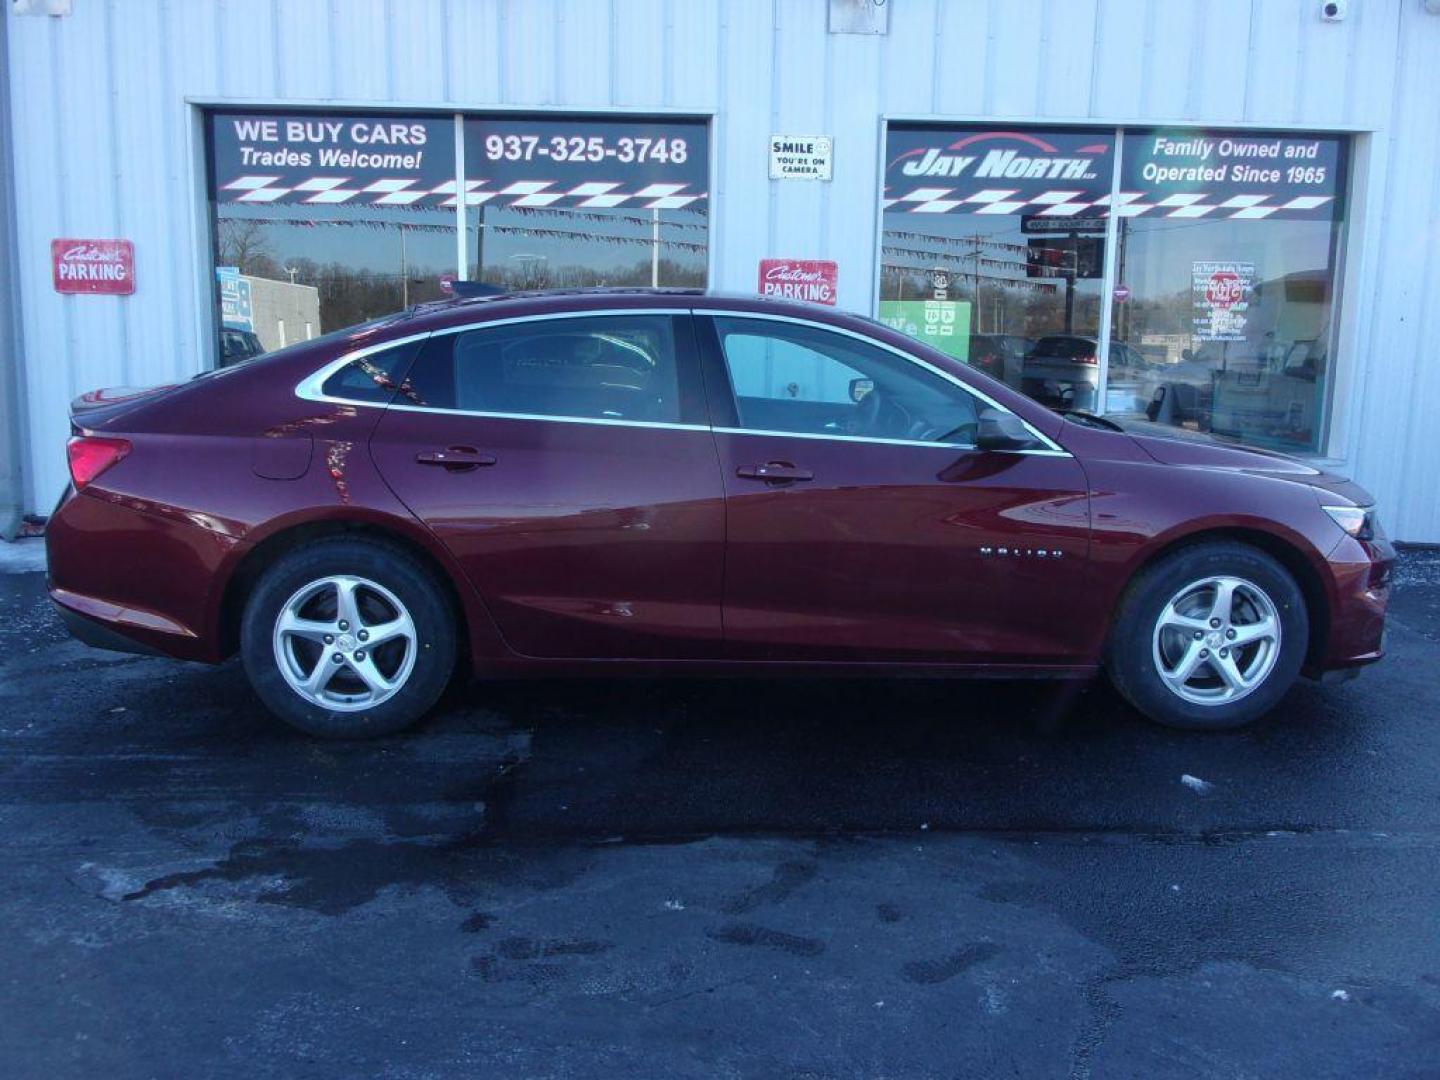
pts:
[25, 556]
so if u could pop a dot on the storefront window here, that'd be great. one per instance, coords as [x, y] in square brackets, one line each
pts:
[322, 221]
[993, 251]
[568, 203]
[1221, 285]
[326, 221]
[1224, 302]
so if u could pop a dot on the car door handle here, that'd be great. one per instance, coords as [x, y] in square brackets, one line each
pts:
[456, 458]
[774, 472]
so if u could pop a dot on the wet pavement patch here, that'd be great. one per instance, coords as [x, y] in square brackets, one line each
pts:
[734, 878]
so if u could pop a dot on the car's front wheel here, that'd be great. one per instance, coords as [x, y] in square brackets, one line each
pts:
[1211, 636]
[348, 638]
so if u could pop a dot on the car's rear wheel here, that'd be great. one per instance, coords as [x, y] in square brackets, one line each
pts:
[1211, 636]
[348, 638]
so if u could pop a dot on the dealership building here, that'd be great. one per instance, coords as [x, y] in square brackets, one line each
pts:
[1218, 215]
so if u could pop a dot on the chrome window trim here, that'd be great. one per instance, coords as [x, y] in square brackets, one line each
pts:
[1052, 448]
[840, 438]
[881, 442]
[603, 421]
[309, 388]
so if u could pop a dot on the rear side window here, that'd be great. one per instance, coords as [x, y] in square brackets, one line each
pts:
[620, 367]
[375, 377]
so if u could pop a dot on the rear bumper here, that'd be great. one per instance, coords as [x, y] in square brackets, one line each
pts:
[127, 579]
[100, 635]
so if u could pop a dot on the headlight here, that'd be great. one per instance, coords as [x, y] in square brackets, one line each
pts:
[1357, 521]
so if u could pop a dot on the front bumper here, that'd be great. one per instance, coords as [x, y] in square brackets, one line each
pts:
[1360, 573]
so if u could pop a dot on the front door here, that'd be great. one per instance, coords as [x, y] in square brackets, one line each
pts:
[862, 524]
[567, 464]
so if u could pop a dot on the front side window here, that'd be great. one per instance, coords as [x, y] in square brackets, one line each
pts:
[799, 379]
[620, 367]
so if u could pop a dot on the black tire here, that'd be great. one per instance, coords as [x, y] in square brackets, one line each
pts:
[387, 565]
[1130, 653]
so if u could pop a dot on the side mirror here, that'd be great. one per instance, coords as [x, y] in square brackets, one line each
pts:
[860, 389]
[1002, 431]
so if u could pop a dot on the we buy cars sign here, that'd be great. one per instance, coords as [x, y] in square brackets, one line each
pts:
[93, 266]
[815, 280]
[322, 161]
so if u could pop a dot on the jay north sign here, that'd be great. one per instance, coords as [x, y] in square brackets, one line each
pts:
[969, 171]
[1061, 174]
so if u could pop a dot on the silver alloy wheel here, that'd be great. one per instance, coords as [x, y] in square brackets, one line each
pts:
[345, 643]
[1217, 640]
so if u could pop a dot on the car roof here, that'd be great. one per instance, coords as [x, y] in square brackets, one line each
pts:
[462, 310]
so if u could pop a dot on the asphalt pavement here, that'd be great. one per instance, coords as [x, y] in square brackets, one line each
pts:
[738, 878]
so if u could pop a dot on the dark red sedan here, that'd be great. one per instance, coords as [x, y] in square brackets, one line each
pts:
[670, 481]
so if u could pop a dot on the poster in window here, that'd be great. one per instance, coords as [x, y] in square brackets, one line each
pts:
[1221, 295]
[941, 324]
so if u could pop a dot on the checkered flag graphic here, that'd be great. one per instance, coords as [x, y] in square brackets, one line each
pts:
[338, 190]
[940, 200]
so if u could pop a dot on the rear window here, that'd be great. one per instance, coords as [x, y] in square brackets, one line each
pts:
[375, 377]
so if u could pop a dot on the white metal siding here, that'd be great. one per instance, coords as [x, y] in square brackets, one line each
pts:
[105, 144]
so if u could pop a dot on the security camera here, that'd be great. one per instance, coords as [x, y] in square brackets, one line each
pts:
[1334, 10]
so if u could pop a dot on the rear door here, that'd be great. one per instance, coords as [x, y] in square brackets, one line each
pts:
[863, 524]
[567, 463]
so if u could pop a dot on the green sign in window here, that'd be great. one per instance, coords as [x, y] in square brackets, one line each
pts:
[941, 324]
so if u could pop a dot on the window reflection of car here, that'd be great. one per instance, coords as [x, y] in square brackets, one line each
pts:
[1270, 396]
[1063, 371]
[1181, 392]
[1001, 356]
[239, 345]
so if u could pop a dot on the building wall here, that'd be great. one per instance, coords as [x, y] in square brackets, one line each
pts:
[283, 313]
[12, 476]
[108, 146]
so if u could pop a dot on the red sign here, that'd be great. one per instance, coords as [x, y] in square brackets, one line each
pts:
[1225, 289]
[93, 266]
[447, 284]
[1122, 293]
[815, 280]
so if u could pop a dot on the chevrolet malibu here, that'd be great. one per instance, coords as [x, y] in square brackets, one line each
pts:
[671, 482]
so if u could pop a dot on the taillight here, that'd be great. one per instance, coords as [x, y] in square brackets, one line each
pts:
[1089, 360]
[90, 455]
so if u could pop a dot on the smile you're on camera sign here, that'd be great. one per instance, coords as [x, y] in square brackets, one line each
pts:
[800, 157]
